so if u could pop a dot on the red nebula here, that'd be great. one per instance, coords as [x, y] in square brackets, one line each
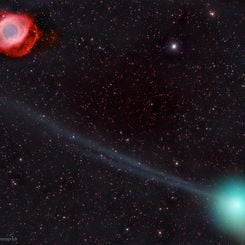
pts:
[18, 34]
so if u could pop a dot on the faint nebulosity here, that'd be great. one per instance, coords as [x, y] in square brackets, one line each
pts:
[158, 81]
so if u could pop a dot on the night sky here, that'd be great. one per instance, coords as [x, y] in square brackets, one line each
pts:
[160, 81]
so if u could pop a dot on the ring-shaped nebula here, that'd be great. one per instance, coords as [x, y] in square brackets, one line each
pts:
[18, 34]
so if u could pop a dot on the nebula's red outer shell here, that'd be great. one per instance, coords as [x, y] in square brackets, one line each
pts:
[18, 34]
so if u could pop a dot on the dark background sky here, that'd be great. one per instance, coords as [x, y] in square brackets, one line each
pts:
[114, 77]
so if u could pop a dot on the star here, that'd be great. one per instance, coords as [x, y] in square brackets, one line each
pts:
[177, 163]
[174, 46]
[212, 13]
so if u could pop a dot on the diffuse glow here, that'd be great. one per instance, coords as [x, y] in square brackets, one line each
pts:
[229, 207]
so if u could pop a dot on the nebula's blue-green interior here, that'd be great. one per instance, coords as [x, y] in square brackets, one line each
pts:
[229, 207]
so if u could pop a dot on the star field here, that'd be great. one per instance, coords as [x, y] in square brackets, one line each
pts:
[159, 81]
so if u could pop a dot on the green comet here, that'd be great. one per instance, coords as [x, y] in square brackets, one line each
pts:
[229, 208]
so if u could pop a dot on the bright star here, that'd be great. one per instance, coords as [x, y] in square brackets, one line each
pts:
[174, 46]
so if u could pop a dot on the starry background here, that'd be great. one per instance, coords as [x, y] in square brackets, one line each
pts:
[161, 81]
